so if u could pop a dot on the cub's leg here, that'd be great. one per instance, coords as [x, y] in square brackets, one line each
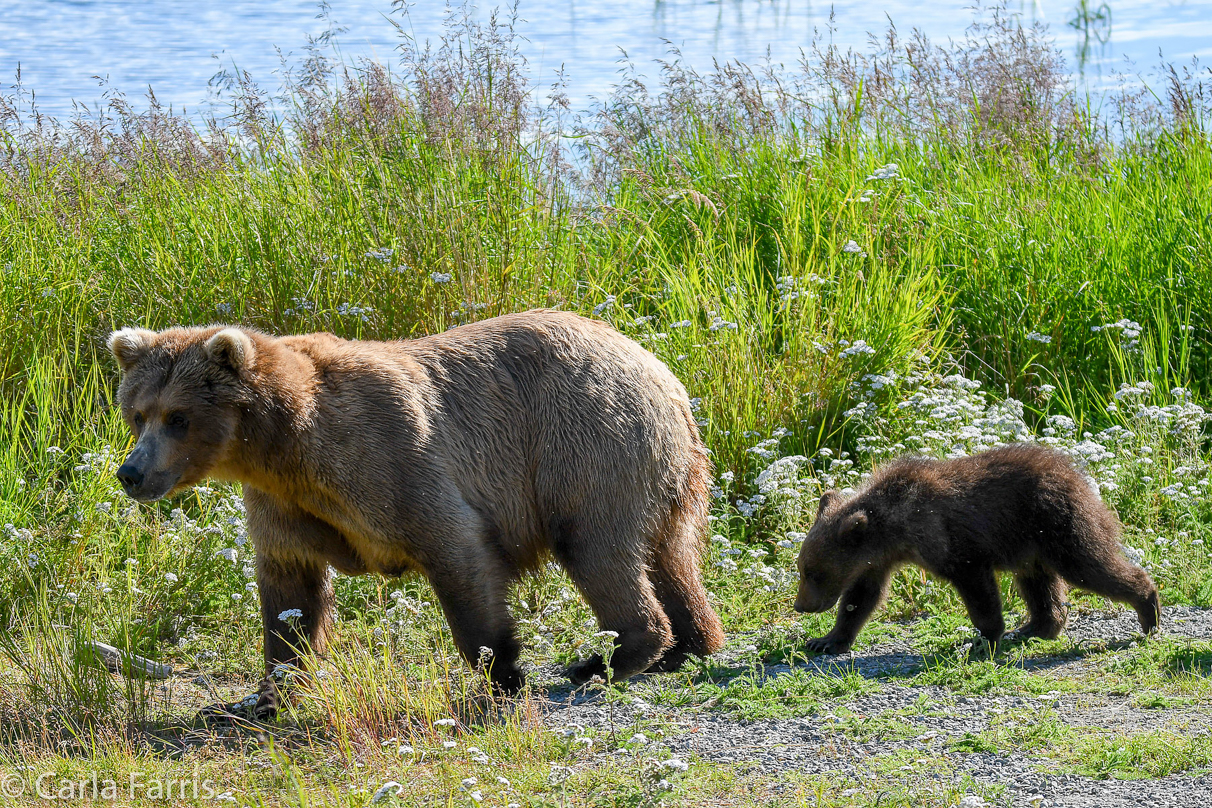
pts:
[607, 566]
[1044, 592]
[978, 589]
[854, 609]
[1114, 577]
[675, 577]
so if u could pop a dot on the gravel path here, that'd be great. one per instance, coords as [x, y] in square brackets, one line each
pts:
[930, 720]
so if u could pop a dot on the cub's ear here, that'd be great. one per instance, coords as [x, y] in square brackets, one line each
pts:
[231, 348]
[853, 525]
[827, 499]
[130, 345]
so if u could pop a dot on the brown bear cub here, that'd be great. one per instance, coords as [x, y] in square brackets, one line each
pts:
[1022, 508]
[470, 456]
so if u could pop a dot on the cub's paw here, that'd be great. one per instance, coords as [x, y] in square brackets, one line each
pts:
[981, 647]
[581, 672]
[1034, 631]
[1019, 636]
[826, 645]
[215, 715]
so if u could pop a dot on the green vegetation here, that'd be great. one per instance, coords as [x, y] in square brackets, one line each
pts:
[1093, 752]
[860, 259]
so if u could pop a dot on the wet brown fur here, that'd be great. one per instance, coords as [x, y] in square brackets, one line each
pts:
[1022, 508]
[470, 456]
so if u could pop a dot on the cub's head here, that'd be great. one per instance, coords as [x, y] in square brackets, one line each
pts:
[180, 394]
[833, 554]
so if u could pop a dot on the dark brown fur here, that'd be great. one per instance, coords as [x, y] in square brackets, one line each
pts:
[470, 456]
[1022, 508]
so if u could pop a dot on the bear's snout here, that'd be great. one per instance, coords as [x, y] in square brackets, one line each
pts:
[131, 478]
[143, 475]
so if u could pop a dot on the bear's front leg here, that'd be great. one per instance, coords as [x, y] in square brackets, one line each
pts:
[977, 587]
[296, 607]
[294, 583]
[854, 609]
[471, 582]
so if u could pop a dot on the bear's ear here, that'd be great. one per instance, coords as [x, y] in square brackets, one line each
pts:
[853, 525]
[231, 348]
[827, 499]
[130, 345]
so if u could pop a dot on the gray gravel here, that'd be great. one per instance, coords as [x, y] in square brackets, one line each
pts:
[936, 718]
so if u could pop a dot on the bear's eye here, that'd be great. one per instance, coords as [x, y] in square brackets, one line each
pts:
[138, 420]
[177, 422]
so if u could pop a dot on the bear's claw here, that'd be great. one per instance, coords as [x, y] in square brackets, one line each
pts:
[827, 645]
[508, 682]
[668, 662]
[583, 671]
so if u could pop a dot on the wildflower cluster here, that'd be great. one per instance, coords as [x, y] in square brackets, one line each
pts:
[360, 312]
[1128, 331]
[398, 617]
[540, 623]
[1153, 454]
[885, 173]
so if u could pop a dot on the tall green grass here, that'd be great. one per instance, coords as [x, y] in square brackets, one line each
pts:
[1012, 219]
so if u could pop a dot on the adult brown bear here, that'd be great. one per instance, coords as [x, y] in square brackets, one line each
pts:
[470, 456]
[1022, 508]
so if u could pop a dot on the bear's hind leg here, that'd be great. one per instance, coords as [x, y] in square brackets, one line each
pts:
[1044, 592]
[1117, 579]
[472, 597]
[675, 577]
[609, 571]
[981, 595]
[854, 609]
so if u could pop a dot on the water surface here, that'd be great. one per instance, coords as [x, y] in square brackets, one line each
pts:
[174, 47]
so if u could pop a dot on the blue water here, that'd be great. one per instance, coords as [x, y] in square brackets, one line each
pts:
[174, 47]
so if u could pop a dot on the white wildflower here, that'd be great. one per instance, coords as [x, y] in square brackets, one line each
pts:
[388, 789]
[859, 347]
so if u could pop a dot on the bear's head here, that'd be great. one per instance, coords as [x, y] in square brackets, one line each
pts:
[181, 394]
[833, 554]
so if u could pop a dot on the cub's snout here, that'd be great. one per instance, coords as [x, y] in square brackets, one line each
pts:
[810, 601]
